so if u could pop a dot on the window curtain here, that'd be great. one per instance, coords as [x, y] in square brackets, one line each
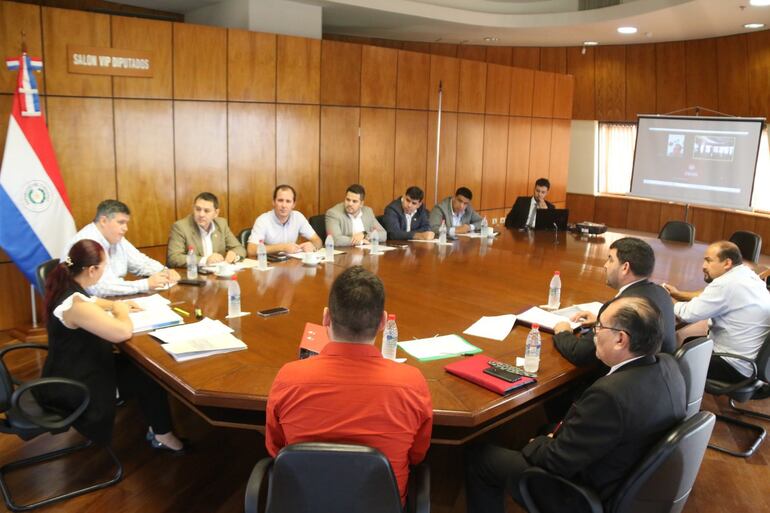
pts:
[616, 157]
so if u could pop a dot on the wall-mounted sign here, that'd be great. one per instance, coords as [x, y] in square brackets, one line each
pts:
[109, 61]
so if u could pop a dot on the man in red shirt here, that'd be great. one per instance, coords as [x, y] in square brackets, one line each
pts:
[349, 393]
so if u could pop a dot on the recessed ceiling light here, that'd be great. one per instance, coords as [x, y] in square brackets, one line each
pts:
[490, 39]
[760, 3]
[590, 43]
[754, 25]
[627, 30]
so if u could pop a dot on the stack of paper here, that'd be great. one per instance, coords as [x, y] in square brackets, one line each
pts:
[496, 328]
[320, 254]
[568, 312]
[476, 235]
[546, 320]
[155, 314]
[196, 340]
[438, 347]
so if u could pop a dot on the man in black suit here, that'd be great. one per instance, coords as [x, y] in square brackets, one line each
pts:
[629, 265]
[407, 218]
[608, 429]
[524, 211]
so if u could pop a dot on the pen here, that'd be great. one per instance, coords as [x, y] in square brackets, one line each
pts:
[183, 312]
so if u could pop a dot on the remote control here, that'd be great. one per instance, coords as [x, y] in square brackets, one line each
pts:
[511, 368]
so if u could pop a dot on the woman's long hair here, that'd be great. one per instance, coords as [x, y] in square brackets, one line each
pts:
[82, 255]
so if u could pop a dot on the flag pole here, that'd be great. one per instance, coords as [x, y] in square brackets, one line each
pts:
[438, 141]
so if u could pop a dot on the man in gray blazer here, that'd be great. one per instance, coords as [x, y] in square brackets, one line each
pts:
[350, 223]
[457, 213]
[209, 235]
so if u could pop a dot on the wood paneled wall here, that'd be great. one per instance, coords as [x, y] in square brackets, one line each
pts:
[711, 224]
[236, 112]
[615, 83]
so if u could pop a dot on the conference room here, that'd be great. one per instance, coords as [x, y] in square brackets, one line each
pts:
[152, 103]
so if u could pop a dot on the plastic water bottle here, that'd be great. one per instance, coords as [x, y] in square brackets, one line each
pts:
[484, 227]
[390, 338]
[192, 264]
[261, 256]
[329, 248]
[233, 297]
[554, 291]
[375, 240]
[442, 233]
[532, 352]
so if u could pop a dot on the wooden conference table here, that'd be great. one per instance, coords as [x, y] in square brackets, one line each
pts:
[432, 290]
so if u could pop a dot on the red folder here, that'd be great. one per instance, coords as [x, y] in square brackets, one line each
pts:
[313, 340]
[472, 369]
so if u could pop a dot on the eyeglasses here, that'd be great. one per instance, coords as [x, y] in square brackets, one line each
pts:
[598, 326]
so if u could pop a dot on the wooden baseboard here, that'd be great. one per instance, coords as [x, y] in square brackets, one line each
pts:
[29, 333]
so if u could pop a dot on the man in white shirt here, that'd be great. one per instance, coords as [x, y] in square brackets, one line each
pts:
[737, 304]
[523, 214]
[281, 227]
[350, 222]
[109, 229]
[206, 233]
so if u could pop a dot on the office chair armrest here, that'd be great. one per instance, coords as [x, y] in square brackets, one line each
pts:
[31, 417]
[591, 499]
[254, 486]
[15, 347]
[418, 496]
[737, 386]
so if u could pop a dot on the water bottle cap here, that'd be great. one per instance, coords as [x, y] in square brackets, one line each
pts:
[536, 327]
[556, 273]
[234, 277]
[190, 248]
[391, 317]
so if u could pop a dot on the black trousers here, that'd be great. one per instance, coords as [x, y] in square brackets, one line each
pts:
[720, 370]
[490, 472]
[153, 400]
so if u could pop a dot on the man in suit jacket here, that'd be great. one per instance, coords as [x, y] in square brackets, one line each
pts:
[524, 211]
[457, 213]
[350, 223]
[609, 428]
[407, 218]
[208, 234]
[628, 267]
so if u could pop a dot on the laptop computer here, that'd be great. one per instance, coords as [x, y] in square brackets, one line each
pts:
[547, 218]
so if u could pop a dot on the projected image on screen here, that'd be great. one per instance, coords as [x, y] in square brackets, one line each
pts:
[675, 145]
[710, 147]
[700, 160]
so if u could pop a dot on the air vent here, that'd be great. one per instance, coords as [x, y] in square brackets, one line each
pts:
[586, 5]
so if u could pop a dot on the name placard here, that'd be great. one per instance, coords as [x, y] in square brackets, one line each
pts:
[109, 61]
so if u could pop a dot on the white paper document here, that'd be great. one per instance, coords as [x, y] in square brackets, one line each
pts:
[154, 318]
[568, 312]
[434, 348]
[203, 346]
[545, 319]
[320, 254]
[496, 327]
[475, 235]
[203, 328]
[149, 302]
[381, 247]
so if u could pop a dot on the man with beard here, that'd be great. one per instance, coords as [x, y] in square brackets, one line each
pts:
[350, 222]
[629, 265]
[737, 304]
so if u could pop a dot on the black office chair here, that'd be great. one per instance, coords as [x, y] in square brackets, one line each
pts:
[381, 219]
[27, 419]
[749, 243]
[318, 223]
[754, 387]
[678, 231]
[660, 483]
[244, 235]
[693, 358]
[339, 478]
[41, 273]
